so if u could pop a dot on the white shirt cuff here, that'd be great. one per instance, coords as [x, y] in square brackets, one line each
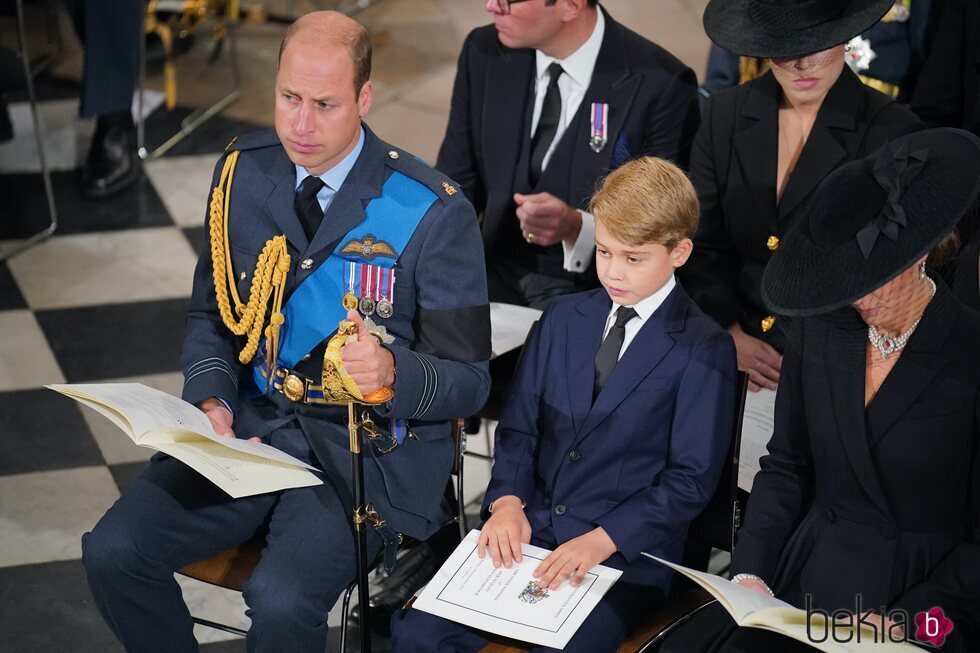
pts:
[579, 255]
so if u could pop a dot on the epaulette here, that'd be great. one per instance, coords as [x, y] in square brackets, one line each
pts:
[254, 141]
[412, 166]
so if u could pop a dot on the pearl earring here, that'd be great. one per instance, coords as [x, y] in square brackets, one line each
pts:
[922, 270]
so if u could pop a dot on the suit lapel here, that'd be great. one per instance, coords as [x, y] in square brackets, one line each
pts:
[916, 367]
[824, 149]
[756, 146]
[281, 201]
[584, 335]
[644, 353]
[509, 79]
[611, 84]
[364, 182]
[845, 378]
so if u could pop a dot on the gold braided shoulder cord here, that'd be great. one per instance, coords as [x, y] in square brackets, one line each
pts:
[271, 269]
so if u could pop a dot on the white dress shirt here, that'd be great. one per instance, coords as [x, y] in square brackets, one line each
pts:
[644, 309]
[573, 85]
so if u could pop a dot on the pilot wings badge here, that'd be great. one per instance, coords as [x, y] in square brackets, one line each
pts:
[369, 247]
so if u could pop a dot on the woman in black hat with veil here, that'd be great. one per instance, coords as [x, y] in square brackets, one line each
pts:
[763, 147]
[871, 488]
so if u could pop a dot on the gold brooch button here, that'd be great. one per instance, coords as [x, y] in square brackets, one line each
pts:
[767, 323]
[773, 243]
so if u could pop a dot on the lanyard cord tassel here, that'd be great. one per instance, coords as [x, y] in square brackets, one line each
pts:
[271, 269]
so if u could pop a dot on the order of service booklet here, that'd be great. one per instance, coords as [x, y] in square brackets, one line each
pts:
[751, 609]
[159, 421]
[509, 602]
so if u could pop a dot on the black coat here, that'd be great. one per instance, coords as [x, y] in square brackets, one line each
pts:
[733, 167]
[883, 501]
[653, 109]
[966, 275]
[948, 94]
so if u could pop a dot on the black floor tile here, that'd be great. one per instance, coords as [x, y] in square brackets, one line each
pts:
[43, 430]
[198, 238]
[26, 210]
[10, 295]
[105, 342]
[124, 474]
[47, 607]
[212, 136]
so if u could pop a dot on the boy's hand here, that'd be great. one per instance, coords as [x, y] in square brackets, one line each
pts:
[504, 532]
[574, 559]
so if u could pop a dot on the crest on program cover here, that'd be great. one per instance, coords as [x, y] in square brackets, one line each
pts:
[533, 592]
[369, 248]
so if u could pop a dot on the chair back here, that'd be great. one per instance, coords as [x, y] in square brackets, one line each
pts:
[718, 523]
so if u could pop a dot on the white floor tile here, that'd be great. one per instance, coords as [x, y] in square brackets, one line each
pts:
[43, 514]
[184, 185]
[100, 268]
[26, 360]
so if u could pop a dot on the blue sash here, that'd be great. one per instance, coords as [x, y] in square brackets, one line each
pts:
[314, 308]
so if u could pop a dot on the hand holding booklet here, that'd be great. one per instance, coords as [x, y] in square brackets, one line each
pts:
[752, 609]
[162, 422]
[509, 602]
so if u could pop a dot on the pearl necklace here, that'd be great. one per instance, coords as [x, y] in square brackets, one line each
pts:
[887, 345]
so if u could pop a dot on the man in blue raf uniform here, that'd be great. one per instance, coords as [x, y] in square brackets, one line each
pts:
[311, 224]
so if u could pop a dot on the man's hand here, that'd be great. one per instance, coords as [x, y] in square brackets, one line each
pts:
[369, 364]
[220, 417]
[575, 558]
[547, 220]
[758, 359]
[504, 532]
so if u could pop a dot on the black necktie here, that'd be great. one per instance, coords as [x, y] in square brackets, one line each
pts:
[547, 123]
[308, 207]
[608, 354]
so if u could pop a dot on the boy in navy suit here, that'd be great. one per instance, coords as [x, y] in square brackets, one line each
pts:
[618, 424]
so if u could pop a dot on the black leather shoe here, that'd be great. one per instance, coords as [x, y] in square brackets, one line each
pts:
[112, 163]
[398, 588]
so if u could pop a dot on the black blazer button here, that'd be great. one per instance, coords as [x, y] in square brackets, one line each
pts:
[888, 531]
[830, 515]
[560, 509]
[574, 455]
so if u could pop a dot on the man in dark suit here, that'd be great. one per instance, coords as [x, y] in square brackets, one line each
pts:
[618, 426]
[528, 141]
[388, 218]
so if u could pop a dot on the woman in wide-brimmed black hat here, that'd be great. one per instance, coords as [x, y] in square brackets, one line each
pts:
[763, 148]
[871, 488]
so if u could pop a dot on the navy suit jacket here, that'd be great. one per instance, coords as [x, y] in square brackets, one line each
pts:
[441, 323]
[644, 460]
[653, 110]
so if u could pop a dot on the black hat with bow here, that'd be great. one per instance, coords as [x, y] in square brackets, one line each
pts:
[789, 28]
[872, 219]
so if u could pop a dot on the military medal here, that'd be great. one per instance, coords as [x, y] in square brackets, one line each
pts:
[600, 118]
[367, 303]
[385, 308]
[349, 301]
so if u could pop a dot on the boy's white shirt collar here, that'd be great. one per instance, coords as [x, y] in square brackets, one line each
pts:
[648, 306]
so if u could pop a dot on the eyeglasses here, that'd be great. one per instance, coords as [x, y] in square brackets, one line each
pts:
[504, 5]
